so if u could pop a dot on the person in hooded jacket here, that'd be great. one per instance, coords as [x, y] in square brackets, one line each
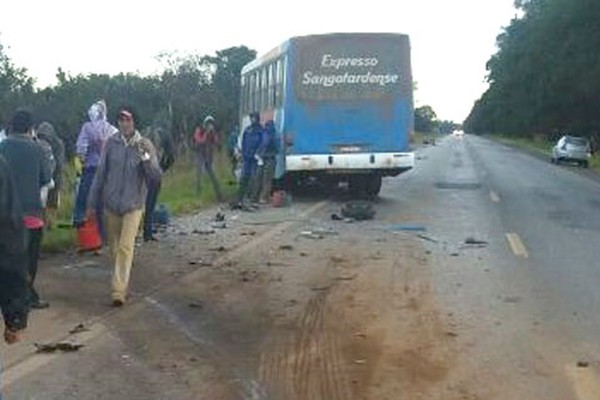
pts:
[251, 144]
[46, 132]
[268, 153]
[206, 139]
[90, 143]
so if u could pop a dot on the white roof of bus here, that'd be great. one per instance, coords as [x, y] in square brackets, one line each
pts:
[277, 51]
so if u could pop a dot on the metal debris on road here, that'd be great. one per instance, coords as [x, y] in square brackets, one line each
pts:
[203, 231]
[220, 217]
[79, 329]
[196, 304]
[476, 242]
[427, 238]
[219, 225]
[359, 210]
[582, 364]
[346, 278]
[64, 347]
[286, 247]
[408, 228]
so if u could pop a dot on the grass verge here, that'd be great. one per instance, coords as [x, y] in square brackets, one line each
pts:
[178, 193]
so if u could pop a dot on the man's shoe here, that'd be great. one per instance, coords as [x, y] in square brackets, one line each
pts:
[39, 304]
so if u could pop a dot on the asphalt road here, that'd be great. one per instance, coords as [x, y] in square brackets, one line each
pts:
[476, 280]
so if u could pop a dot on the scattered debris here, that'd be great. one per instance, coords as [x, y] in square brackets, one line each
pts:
[582, 364]
[193, 359]
[220, 249]
[407, 228]
[220, 217]
[79, 329]
[427, 238]
[219, 225]
[196, 304]
[311, 235]
[65, 347]
[321, 288]
[201, 263]
[203, 231]
[360, 362]
[291, 303]
[454, 254]
[251, 233]
[337, 259]
[358, 210]
[335, 217]
[360, 335]
[303, 254]
[277, 264]
[512, 299]
[346, 278]
[452, 334]
[476, 242]
[286, 247]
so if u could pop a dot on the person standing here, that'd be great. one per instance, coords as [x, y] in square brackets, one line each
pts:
[13, 260]
[165, 148]
[251, 143]
[269, 151]
[31, 172]
[206, 140]
[46, 132]
[90, 142]
[128, 166]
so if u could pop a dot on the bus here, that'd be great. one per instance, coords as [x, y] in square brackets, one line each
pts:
[342, 105]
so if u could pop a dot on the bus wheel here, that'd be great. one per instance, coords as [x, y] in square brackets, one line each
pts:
[373, 185]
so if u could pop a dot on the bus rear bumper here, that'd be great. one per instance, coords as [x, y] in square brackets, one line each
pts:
[386, 164]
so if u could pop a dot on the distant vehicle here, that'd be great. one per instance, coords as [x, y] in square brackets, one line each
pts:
[458, 133]
[572, 149]
[342, 103]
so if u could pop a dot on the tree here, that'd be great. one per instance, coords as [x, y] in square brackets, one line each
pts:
[425, 119]
[16, 86]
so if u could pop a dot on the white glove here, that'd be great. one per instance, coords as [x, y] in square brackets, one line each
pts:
[259, 160]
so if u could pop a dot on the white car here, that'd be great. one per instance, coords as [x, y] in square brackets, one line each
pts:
[572, 149]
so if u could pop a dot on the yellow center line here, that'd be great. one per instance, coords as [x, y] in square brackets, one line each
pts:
[494, 196]
[516, 245]
[585, 382]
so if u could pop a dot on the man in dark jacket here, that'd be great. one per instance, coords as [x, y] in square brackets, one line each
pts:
[31, 171]
[14, 291]
[128, 166]
[251, 145]
[46, 132]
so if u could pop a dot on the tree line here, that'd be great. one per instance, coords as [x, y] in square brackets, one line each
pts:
[544, 80]
[188, 89]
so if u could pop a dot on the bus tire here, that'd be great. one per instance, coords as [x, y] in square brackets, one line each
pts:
[373, 185]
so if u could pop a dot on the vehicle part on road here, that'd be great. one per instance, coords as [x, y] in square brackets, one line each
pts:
[65, 347]
[79, 329]
[427, 238]
[408, 228]
[473, 241]
[359, 210]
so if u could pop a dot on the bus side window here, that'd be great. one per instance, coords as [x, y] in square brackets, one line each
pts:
[271, 78]
[264, 88]
[243, 92]
[278, 84]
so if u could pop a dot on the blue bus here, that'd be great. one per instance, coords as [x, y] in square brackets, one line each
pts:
[342, 104]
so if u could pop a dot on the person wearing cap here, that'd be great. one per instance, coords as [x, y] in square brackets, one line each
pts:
[31, 172]
[128, 166]
[206, 140]
[90, 142]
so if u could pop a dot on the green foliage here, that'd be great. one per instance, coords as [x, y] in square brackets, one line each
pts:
[189, 88]
[545, 77]
[425, 119]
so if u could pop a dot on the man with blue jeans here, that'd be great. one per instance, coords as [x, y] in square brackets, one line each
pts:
[251, 143]
[90, 142]
[14, 294]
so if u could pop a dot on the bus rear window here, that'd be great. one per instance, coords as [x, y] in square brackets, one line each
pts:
[341, 68]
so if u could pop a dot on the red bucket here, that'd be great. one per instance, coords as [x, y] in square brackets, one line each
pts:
[88, 236]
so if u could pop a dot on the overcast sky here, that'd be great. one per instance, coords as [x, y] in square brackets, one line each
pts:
[451, 39]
